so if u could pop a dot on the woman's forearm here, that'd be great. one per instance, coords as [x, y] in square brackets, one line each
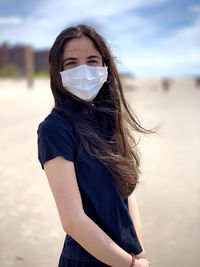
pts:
[135, 216]
[92, 238]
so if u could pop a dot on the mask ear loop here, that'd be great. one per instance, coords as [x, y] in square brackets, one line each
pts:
[104, 65]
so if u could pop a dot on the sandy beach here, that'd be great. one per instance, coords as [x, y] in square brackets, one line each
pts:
[168, 195]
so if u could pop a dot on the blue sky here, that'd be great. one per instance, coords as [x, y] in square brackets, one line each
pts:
[148, 37]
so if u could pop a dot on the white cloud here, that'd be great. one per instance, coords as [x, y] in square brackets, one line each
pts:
[26, 30]
[7, 21]
[160, 64]
[70, 12]
[175, 58]
[51, 16]
[186, 38]
[195, 8]
[18, 21]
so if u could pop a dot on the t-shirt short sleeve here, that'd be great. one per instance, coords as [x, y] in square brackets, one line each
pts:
[55, 138]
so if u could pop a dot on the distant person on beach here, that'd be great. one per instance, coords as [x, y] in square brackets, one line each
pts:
[197, 82]
[89, 154]
[166, 82]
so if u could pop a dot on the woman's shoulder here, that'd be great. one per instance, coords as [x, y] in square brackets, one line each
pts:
[54, 122]
[55, 137]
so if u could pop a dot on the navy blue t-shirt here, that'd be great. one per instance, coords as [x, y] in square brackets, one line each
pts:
[101, 199]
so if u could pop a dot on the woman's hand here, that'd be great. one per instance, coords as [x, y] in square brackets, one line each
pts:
[141, 255]
[141, 263]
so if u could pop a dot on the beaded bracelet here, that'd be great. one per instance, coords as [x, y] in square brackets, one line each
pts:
[133, 260]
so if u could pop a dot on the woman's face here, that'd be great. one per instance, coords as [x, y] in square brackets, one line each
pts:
[80, 51]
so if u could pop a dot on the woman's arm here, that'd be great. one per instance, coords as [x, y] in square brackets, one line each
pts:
[134, 213]
[62, 180]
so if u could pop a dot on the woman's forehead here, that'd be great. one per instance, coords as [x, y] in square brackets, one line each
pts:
[80, 46]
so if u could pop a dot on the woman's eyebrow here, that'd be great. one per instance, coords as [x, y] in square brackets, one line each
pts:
[69, 58]
[94, 56]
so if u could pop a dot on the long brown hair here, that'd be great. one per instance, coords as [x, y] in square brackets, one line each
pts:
[105, 128]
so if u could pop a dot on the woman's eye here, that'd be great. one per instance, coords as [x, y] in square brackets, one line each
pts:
[93, 62]
[70, 63]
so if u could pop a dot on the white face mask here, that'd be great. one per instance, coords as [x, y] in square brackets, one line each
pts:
[84, 81]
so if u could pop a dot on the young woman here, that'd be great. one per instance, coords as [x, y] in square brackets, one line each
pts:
[89, 155]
